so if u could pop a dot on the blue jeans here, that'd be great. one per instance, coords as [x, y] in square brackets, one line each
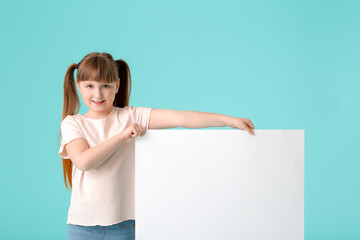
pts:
[120, 231]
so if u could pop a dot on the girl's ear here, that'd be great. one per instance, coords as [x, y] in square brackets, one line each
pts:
[117, 84]
[78, 84]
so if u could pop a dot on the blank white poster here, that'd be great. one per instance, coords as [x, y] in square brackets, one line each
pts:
[219, 184]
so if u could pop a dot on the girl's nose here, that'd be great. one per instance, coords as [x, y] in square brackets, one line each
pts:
[98, 93]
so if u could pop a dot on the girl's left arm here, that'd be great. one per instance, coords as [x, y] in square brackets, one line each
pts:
[167, 118]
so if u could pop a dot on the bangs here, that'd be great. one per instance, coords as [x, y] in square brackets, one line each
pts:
[98, 70]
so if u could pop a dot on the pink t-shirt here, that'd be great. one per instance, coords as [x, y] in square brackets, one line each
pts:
[104, 195]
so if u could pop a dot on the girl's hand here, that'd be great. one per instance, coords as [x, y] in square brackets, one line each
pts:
[242, 123]
[133, 130]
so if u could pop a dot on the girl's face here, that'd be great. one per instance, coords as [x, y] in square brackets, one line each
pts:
[99, 97]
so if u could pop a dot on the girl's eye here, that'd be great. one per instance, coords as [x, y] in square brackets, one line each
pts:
[106, 86]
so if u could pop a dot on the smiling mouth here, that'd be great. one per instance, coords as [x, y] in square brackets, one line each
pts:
[98, 103]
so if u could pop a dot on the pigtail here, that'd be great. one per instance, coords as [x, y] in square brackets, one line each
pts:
[122, 97]
[71, 107]
[71, 100]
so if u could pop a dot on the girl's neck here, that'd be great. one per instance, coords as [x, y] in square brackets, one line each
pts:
[101, 115]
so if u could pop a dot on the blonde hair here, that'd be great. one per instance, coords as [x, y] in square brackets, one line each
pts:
[99, 67]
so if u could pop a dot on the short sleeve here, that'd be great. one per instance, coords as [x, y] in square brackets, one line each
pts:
[142, 115]
[69, 131]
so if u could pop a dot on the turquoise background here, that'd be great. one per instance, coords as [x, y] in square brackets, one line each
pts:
[283, 64]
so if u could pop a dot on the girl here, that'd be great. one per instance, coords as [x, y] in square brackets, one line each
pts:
[97, 148]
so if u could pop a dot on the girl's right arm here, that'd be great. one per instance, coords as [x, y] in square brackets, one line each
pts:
[86, 158]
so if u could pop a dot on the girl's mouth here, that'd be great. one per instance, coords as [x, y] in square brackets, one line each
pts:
[98, 103]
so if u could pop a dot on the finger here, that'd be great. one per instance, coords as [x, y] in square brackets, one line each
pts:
[140, 130]
[249, 131]
[251, 124]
